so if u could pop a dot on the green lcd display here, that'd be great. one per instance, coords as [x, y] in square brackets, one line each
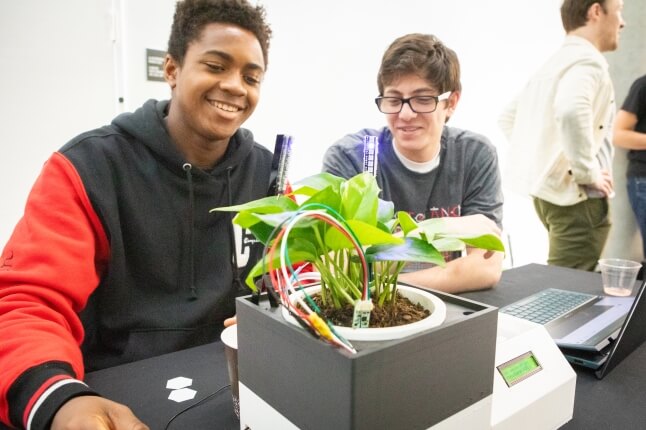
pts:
[519, 368]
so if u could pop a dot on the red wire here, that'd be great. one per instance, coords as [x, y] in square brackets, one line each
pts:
[357, 247]
[273, 273]
[274, 276]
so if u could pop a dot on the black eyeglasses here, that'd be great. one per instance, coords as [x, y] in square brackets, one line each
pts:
[418, 104]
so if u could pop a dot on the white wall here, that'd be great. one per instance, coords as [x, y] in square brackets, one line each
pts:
[320, 83]
[321, 80]
[143, 24]
[626, 64]
[56, 80]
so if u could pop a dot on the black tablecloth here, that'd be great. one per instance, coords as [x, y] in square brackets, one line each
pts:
[142, 386]
[616, 402]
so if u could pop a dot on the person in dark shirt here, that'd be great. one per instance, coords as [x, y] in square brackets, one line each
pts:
[630, 133]
[117, 257]
[427, 168]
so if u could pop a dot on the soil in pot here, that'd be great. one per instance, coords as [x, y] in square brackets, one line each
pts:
[403, 312]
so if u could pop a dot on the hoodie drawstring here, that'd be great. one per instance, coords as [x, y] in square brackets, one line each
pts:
[191, 250]
[234, 252]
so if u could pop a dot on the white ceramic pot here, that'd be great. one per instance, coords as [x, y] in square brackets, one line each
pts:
[416, 295]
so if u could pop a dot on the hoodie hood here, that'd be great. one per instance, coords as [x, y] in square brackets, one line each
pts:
[147, 125]
[172, 268]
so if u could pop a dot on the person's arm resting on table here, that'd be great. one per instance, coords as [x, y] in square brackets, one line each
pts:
[477, 270]
[50, 266]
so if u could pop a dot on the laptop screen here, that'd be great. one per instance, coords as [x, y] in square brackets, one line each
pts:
[631, 336]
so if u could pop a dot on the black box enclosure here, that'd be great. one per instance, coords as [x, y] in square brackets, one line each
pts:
[410, 383]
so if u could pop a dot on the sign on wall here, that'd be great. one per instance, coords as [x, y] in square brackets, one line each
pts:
[154, 65]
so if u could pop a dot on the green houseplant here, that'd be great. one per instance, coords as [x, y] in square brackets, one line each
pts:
[354, 240]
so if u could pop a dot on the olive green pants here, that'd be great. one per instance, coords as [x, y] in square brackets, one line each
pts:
[577, 233]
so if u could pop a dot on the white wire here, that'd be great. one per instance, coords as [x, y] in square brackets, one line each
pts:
[290, 279]
[283, 253]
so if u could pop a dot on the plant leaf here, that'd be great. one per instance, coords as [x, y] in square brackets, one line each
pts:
[279, 218]
[326, 197]
[315, 183]
[447, 244]
[359, 198]
[372, 235]
[246, 219]
[266, 205]
[366, 234]
[406, 222]
[261, 231]
[298, 251]
[433, 228]
[262, 225]
[303, 229]
[489, 242]
[385, 211]
[384, 227]
[412, 249]
[430, 227]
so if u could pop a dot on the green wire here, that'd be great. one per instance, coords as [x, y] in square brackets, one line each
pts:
[343, 222]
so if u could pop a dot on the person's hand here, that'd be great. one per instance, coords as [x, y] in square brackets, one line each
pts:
[470, 225]
[95, 413]
[604, 184]
[230, 321]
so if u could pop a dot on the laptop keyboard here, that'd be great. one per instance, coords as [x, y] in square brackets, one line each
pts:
[547, 305]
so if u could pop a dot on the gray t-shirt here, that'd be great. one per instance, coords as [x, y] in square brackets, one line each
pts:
[466, 182]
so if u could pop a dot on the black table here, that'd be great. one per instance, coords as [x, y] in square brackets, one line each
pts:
[142, 386]
[616, 402]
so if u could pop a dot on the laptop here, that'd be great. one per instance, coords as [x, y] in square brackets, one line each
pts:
[630, 337]
[596, 331]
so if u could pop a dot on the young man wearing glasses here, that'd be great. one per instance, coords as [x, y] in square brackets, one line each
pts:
[426, 168]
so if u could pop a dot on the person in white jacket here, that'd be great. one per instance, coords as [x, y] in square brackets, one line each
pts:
[559, 129]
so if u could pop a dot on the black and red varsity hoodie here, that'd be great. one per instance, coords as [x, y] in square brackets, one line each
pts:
[117, 258]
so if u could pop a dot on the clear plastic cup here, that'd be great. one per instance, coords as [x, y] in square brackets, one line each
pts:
[229, 337]
[618, 276]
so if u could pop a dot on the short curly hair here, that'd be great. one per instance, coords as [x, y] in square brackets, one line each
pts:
[192, 15]
[424, 55]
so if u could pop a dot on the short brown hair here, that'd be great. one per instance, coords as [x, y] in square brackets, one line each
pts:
[574, 13]
[424, 55]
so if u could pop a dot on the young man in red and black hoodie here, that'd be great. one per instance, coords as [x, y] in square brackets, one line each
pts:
[117, 257]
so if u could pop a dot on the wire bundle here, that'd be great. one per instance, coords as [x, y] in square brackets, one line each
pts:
[286, 281]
